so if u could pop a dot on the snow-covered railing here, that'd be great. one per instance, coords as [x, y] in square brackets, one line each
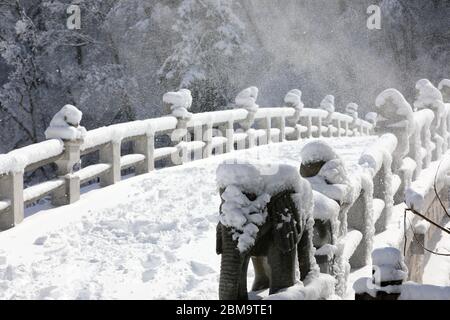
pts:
[199, 135]
[207, 134]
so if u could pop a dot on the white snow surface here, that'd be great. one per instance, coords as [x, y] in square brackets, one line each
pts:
[147, 237]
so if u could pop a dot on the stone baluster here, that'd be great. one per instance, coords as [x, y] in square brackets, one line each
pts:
[207, 139]
[338, 126]
[145, 145]
[70, 192]
[309, 127]
[429, 97]
[280, 123]
[111, 154]
[11, 188]
[229, 133]
[319, 127]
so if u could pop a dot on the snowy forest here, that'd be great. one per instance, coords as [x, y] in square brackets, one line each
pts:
[128, 53]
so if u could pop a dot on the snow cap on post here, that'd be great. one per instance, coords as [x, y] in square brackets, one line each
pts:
[327, 104]
[179, 103]
[65, 125]
[293, 99]
[444, 87]
[319, 159]
[246, 99]
[352, 110]
[388, 265]
[371, 117]
[429, 97]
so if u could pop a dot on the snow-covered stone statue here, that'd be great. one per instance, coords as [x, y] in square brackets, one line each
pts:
[371, 117]
[333, 197]
[293, 99]
[352, 110]
[178, 103]
[65, 125]
[327, 104]
[267, 218]
[429, 97]
[396, 116]
[246, 99]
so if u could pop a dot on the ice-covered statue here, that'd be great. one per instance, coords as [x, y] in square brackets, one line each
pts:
[65, 125]
[293, 99]
[327, 104]
[178, 103]
[352, 110]
[246, 99]
[395, 115]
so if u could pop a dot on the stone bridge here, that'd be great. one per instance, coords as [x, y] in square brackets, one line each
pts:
[403, 162]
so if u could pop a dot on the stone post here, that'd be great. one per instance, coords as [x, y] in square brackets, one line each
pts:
[11, 186]
[229, 133]
[70, 191]
[395, 116]
[358, 219]
[319, 127]
[111, 154]
[145, 145]
[347, 129]
[309, 126]
[281, 124]
[338, 123]
[207, 139]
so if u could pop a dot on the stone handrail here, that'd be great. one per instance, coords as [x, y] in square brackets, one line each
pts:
[203, 135]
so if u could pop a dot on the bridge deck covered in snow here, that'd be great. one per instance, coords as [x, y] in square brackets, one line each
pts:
[148, 237]
[153, 236]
